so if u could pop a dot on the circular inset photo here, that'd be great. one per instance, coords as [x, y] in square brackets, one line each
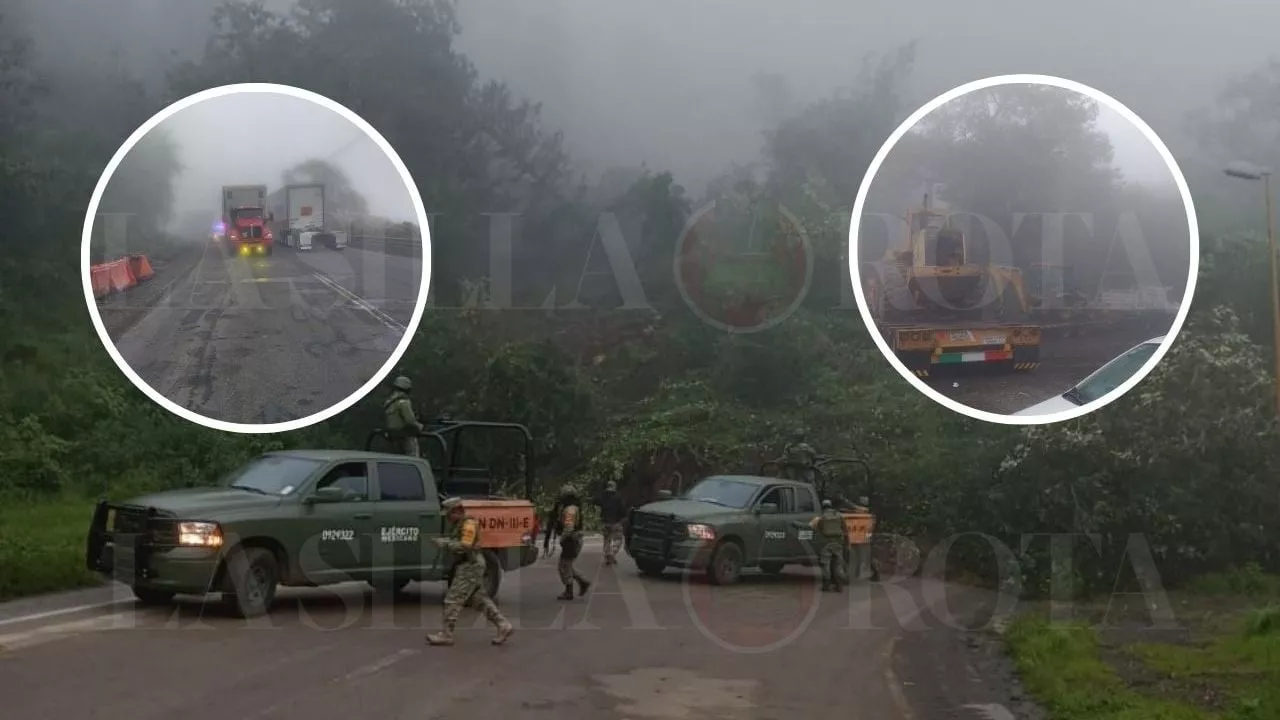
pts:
[1023, 249]
[256, 258]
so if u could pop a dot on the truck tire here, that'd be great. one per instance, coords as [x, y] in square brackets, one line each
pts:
[651, 568]
[725, 567]
[253, 575]
[151, 597]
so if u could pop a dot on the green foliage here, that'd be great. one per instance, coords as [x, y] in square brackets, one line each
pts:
[1061, 667]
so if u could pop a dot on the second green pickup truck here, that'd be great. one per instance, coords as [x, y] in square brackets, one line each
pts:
[727, 523]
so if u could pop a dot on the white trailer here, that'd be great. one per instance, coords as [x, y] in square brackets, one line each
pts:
[297, 213]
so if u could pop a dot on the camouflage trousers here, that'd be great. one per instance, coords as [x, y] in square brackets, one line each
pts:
[467, 590]
[568, 573]
[831, 559]
[612, 540]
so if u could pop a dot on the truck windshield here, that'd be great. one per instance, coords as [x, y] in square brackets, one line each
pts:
[722, 491]
[1112, 375]
[246, 214]
[272, 474]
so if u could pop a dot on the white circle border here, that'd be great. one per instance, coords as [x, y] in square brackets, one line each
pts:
[91, 214]
[703, 315]
[1193, 267]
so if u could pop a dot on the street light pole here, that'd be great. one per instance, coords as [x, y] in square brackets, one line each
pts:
[1246, 171]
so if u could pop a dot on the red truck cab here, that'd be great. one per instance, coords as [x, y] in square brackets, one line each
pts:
[247, 231]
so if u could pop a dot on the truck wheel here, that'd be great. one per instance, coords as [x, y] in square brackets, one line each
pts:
[651, 568]
[151, 597]
[492, 576]
[253, 575]
[771, 568]
[726, 564]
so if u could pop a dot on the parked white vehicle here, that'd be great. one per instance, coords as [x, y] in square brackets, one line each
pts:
[1099, 382]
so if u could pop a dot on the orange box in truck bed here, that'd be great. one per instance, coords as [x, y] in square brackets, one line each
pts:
[503, 523]
[860, 525]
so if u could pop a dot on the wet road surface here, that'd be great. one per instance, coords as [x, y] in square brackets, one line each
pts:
[669, 648]
[266, 339]
[1063, 363]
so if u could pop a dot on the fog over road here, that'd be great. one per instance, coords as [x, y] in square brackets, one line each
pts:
[266, 338]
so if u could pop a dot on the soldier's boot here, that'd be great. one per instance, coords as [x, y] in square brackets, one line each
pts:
[505, 628]
[444, 637]
[567, 594]
[583, 586]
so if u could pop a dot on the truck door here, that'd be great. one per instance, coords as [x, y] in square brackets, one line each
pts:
[803, 509]
[774, 527]
[337, 534]
[408, 514]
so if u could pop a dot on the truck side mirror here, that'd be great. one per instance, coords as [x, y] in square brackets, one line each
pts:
[767, 509]
[326, 495]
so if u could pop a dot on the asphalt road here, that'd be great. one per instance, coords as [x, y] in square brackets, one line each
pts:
[670, 648]
[1063, 363]
[264, 339]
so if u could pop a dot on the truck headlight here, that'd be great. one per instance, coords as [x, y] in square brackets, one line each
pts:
[199, 534]
[699, 531]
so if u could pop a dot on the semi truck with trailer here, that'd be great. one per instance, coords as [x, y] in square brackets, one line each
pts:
[299, 217]
[244, 220]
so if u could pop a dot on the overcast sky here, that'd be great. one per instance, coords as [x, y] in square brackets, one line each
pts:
[251, 139]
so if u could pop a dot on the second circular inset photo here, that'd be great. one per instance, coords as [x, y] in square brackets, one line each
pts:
[1023, 249]
[256, 258]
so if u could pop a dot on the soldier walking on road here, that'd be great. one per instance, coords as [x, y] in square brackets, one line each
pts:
[567, 523]
[613, 510]
[400, 423]
[798, 458]
[833, 539]
[467, 588]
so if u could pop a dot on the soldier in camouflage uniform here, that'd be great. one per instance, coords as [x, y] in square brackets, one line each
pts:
[467, 588]
[568, 525]
[400, 423]
[798, 458]
[833, 540]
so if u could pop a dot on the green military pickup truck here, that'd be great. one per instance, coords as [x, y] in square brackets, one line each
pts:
[301, 518]
[726, 523]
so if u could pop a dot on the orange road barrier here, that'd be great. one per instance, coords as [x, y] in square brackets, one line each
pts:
[120, 276]
[100, 279]
[141, 268]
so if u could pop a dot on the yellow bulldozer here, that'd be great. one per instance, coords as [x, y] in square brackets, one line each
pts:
[936, 305]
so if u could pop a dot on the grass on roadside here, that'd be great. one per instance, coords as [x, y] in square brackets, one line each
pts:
[1227, 668]
[42, 547]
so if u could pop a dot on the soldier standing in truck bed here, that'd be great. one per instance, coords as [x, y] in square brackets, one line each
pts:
[399, 421]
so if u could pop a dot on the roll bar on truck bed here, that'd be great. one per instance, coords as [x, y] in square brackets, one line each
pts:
[454, 478]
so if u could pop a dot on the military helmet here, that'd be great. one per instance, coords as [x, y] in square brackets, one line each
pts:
[567, 490]
[826, 504]
[611, 486]
[402, 383]
[798, 434]
[864, 500]
[451, 504]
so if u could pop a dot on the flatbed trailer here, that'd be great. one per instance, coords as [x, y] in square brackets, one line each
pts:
[926, 346]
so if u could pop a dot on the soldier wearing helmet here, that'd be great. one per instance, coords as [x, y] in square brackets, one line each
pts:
[400, 422]
[613, 512]
[833, 539]
[566, 522]
[467, 587]
[798, 458]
